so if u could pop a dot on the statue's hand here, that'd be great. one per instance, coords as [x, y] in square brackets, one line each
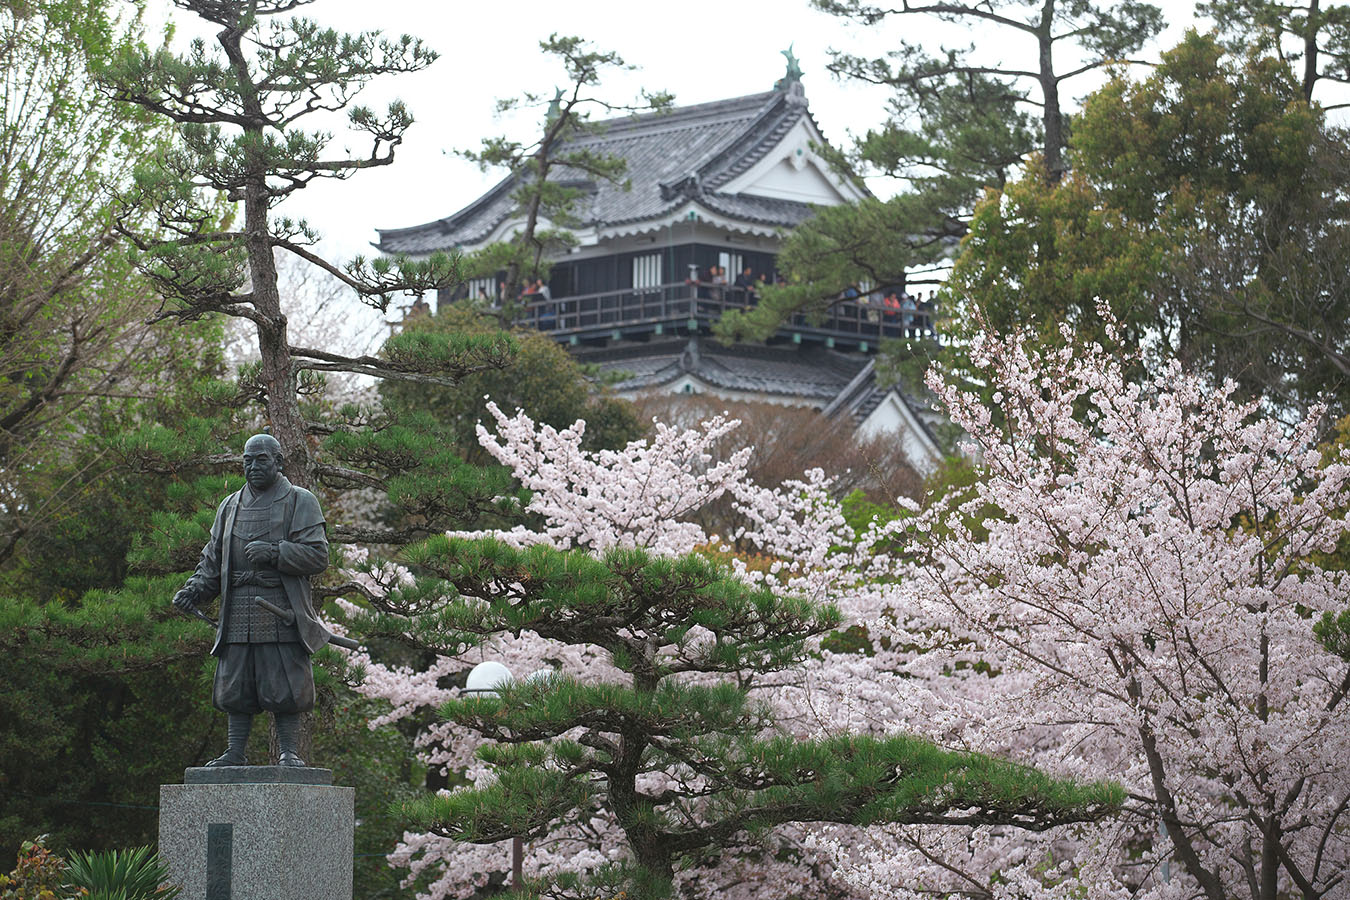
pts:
[261, 552]
[185, 599]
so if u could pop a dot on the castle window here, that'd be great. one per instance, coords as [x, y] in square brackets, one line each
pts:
[731, 263]
[647, 271]
[483, 285]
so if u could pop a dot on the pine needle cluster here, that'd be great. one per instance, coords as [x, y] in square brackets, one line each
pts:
[673, 745]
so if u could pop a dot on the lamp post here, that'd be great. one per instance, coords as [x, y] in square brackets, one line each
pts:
[486, 678]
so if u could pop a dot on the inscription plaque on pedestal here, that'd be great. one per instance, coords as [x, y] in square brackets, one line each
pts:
[258, 833]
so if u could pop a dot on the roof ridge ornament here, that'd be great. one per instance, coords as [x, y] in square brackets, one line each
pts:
[793, 75]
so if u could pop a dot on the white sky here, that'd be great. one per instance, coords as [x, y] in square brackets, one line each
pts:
[700, 50]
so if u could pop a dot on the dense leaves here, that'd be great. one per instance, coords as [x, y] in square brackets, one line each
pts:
[1206, 207]
[681, 765]
[104, 701]
[73, 340]
[543, 379]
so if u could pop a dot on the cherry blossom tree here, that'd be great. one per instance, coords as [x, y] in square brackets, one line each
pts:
[1130, 592]
[725, 787]
[1141, 603]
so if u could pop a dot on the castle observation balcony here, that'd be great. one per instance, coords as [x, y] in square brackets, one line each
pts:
[690, 307]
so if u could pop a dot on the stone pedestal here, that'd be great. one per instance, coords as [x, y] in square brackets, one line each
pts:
[258, 833]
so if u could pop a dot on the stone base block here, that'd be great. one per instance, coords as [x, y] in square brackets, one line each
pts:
[281, 836]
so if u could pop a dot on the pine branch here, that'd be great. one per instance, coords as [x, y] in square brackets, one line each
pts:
[350, 476]
[396, 280]
[377, 372]
[332, 592]
[346, 534]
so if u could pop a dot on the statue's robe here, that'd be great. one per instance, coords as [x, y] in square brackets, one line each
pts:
[263, 662]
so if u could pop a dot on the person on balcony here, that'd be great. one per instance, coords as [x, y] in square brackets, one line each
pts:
[719, 280]
[745, 285]
[548, 315]
[705, 278]
[891, 310]
[875, 300]
[927, 309]
[907, 310]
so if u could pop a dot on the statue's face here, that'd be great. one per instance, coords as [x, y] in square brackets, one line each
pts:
[261, 464]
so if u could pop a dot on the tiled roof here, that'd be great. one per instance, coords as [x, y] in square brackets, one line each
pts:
[810, 374]
[861, 396]
[686, 153]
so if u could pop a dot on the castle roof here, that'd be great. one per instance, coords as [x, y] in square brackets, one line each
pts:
[810, 374]
[692, 153]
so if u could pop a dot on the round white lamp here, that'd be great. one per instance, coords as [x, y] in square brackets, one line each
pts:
[487, 677]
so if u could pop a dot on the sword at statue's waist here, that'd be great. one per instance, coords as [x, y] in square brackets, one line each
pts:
[288, 616]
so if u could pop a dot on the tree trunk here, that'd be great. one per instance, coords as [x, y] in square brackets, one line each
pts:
[1052, 117]
[276, 375]
[633, 812]
[1311, 27]
[283, 405]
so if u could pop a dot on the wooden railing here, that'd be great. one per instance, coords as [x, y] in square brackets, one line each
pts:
[690, 304]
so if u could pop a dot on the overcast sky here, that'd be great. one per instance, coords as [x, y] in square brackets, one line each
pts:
[700, 50]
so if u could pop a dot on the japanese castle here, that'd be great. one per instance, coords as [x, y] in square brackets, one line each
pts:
[712, 185]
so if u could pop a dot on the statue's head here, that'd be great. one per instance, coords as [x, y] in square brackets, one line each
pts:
[262, 461]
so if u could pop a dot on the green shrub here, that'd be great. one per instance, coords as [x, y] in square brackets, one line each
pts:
[134, 874]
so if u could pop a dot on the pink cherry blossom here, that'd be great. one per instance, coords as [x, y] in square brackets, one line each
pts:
[1140, 610]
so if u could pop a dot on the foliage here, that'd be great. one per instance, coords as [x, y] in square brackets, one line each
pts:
[1144, 603]
[543, 379]
[1333, 631]
[1206, 206]
[1131, 582]
[549, 174]
[126, 874]
[90, 731]
[38, 875]
[105, 700]
[665, 742]
[72, 333]
[956, 124]
[681, 764]
[1314, 37]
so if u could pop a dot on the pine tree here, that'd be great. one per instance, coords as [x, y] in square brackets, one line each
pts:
[1206, 207]
[550, 174]
[240, 151]
[959, 121]
[664, 738]
[1311, 35]
[236, 110]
